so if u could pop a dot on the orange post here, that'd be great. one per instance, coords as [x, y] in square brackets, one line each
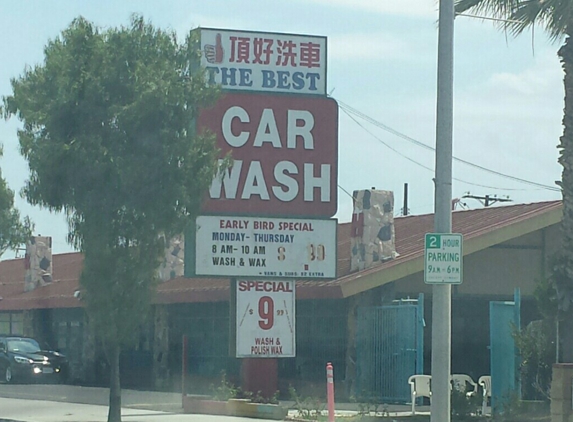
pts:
[330, 391]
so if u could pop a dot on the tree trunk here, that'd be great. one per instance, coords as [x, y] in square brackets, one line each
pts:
[114, 413]
[564, 279]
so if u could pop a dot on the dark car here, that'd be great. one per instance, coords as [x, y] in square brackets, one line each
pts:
[22, 359]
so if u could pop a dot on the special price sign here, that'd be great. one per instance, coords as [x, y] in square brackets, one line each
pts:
[265, 247]
[266, 319]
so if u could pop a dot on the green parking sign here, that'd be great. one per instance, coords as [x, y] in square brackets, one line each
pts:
[443, 258]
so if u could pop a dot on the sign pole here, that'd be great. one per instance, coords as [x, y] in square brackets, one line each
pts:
[442, 293]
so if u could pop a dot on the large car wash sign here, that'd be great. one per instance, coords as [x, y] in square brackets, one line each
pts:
[269, 62]
[265, 247]
[285, 154]
[265, 319]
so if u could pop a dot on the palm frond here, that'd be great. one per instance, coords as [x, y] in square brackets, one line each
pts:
[555, 16]
[500, 9]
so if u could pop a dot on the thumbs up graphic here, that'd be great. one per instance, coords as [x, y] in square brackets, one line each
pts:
[214, 53]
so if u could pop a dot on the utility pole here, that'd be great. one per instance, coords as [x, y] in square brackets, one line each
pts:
[442, 293]
[487, 200]
[405, 208]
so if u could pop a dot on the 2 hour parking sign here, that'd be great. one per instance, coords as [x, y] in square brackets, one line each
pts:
[443, 258]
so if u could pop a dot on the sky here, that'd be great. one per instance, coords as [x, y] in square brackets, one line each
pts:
[382, 60]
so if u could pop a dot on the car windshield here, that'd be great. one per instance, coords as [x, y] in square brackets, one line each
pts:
[23, 345]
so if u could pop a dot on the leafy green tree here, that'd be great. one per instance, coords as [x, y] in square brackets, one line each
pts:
[109, 137]
[14, 232]
[556, 17]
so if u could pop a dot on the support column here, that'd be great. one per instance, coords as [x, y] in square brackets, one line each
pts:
[561, 393]
[161, 374]
[88, 370]
[350, 376]
[260, 375]
[29, 323]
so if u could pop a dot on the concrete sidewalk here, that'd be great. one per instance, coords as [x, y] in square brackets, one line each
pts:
[147, 400]
[29, 410]
[21, 410]
[90, 404]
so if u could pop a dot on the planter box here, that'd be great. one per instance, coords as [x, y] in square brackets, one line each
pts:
[245, 408]
[204, 405]
[238, 407]
[234, 407]
[534, 407]
[268, 411]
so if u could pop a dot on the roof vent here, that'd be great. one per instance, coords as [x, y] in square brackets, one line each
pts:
[372, 229]
[38, 261]
[173, 260]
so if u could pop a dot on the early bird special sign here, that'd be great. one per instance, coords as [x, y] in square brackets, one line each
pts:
[265, 247]
[265, 319]
[443, 258]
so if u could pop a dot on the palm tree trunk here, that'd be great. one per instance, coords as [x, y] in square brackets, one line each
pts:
[564, 280]
[114, 413]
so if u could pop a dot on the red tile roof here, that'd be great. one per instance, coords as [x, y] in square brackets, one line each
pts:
[481, 228]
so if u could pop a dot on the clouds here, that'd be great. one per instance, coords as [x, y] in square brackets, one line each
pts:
[367, 46]
[511, 121]
[382, 61]
[412, 8]
[535, 91]
[540, 80]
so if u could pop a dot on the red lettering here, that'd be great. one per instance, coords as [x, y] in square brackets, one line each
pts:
[265, 286]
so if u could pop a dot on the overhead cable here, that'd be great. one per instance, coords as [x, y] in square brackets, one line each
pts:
[350, 110]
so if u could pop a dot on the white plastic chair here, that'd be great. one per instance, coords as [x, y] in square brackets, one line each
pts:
[485, 382]
[464, 383]
[420, 386]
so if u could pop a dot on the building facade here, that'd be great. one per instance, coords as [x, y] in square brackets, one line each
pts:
[505, 248]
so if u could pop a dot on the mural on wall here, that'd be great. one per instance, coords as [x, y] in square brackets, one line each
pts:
[173, 261]
[372, 229]
[38, 262]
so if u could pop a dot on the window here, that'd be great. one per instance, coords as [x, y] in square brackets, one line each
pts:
[4, 323]
[11, 323]
[24, 345]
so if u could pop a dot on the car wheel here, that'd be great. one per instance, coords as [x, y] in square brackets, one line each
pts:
[8, 375]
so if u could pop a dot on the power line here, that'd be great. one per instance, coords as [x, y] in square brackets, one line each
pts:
[385, 144]
[346, 192]
[487, 18]
[416, 162]
[348, 109]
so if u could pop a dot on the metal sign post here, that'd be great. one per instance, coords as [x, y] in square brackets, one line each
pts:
[442, 293]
